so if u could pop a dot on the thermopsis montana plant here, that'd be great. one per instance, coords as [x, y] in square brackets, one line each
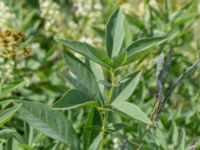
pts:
[91, 86]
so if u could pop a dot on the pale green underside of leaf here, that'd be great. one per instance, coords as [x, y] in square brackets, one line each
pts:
[72, 99]
[131, 110]
[87, 50]
[128, 90]
[98, 72]
[140, 47]
[115, 33]
[7, 114]
[49, 122]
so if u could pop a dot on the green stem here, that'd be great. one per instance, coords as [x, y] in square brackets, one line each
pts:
[105, 116]
[149, 127]
[103, 129]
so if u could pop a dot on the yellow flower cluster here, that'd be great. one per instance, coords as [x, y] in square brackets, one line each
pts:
[10, 42]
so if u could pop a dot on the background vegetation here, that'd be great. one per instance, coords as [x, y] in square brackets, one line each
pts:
[33, 69]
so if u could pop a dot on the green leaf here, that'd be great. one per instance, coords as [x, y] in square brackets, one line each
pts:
[135, 20]
[9, 144]
[87, 50]
[93, 119]
[131, 110]
[161, 138]
[77, 84]
[185, 19]
[128, 90]
[99, 31]
[115, 127]
[182, 10]
[171, 35]
[6, 133]
[84, 75]
[128, 33]
[140, 47]
[9, 88]
[119, 60]
[49, 122]
[72, 99]
[7, 114]
[122, 84]
[105, 83]
[182, 144]
[115, 33]
[5, 103]
[96, 142]
[98, 72]
[182, 77]
[174, 134]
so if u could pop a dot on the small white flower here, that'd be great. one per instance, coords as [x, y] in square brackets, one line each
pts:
[35, 46]
[116, 143]
[50, 12]
[6, 16]
[87, 40]
[98, 6]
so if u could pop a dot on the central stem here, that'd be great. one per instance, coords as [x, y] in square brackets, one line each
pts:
[105, 114]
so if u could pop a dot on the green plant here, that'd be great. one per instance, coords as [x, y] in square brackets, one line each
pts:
[91, 86]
